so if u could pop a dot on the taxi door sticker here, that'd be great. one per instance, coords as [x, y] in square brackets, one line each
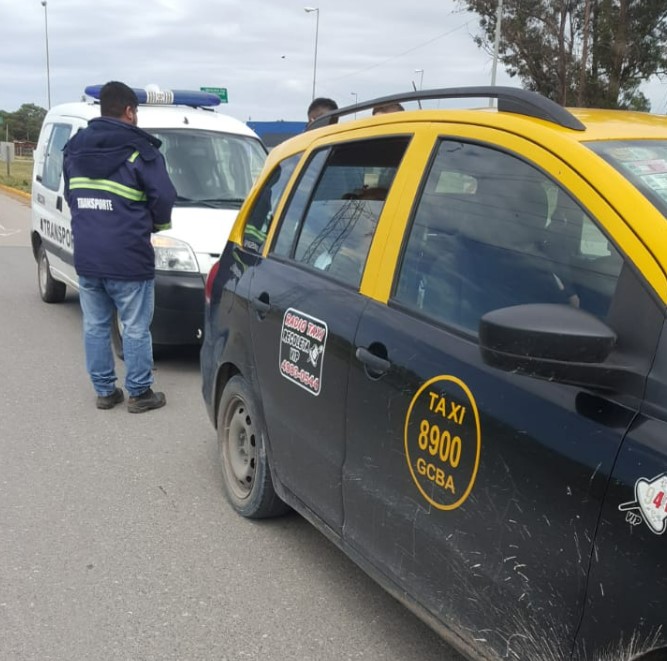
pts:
[651, 501]
[303, 341]
[443, 441]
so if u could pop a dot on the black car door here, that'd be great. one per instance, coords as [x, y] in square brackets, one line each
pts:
[307, 307]
[476, 490]
[628, 577]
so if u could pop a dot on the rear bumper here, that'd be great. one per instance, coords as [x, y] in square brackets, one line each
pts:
[179, 308]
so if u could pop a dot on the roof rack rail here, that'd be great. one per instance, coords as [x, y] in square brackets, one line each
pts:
[510, 99]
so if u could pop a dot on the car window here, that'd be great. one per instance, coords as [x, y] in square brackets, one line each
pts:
[53, 163]
[261, 215]
[491, 231]
[331, 219]
[642, 162]
[293, 214]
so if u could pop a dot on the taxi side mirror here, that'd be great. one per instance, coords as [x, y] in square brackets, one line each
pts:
[556, 343]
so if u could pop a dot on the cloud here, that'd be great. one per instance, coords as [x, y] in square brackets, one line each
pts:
[370, 48]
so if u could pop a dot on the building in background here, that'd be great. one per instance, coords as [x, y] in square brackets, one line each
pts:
[273, 133]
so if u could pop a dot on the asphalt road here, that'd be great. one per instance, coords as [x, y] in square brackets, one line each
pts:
[115, 540]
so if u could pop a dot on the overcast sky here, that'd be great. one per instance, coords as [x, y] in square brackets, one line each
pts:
[262, 51]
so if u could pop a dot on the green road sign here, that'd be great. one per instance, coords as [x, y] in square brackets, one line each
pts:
[220, 92]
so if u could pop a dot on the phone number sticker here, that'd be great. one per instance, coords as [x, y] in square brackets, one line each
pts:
[443, 441]
[303, 341]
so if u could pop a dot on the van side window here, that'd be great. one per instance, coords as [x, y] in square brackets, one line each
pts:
[333, 230]
[491, 231]
[261, 215]
[53, 163]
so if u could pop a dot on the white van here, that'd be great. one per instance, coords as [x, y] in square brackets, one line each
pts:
[212, 160]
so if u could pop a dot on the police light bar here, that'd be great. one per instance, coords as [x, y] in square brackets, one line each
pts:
[157, 97]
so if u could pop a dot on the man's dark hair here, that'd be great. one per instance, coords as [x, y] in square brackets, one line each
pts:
[387, 107]
[115, 97]
[322, 102]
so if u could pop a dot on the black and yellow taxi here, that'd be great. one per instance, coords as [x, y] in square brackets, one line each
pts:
[439, 335]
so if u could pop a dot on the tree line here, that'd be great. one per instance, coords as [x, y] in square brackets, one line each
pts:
[24, 124]
[586, 53]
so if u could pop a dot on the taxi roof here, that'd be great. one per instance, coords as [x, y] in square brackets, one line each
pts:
[591, 124]
[620, 125]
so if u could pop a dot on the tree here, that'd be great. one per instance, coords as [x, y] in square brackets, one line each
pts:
[27, 121]
[583, 52]
[24, 124]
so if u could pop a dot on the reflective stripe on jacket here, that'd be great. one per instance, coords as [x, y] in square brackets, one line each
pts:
[119, 192]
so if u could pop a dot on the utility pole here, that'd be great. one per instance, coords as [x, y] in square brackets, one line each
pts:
[584, 54]
[48, 70]
[496, 46]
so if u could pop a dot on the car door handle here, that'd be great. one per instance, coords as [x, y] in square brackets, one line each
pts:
[375, 364]
[262, 305]
[59, 203]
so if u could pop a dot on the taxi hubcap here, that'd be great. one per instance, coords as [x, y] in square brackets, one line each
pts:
[240, 448]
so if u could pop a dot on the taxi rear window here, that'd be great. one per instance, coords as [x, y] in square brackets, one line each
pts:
[642, 162]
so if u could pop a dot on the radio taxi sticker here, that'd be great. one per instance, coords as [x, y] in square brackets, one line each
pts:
[443, 441]
[651, 501]
[303, 341]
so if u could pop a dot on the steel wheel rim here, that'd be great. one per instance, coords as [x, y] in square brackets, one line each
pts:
[239, 447]
[43, 273]
[119, 327]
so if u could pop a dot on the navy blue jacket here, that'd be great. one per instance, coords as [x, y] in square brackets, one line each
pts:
[118, 190]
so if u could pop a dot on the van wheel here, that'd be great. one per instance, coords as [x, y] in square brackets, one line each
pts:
[117, 339]
[50, 289]
[246, 475]
[117, 336]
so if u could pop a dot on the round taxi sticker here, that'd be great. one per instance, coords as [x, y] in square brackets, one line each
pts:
[443, 441]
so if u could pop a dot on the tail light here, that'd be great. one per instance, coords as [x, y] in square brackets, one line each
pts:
[208, 289]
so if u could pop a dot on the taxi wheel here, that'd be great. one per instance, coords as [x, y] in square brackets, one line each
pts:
[245, 467]
[50, 289]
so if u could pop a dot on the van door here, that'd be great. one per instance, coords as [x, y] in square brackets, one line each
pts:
[51, 217]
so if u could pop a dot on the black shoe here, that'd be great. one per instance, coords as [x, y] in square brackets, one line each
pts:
[147, 401]
[109, 401]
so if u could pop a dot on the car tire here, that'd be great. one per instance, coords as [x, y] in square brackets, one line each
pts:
[117, 336]
[246, 474]
[117, 340]
[50, 289]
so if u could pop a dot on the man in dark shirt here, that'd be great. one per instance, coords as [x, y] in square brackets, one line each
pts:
[119, 192]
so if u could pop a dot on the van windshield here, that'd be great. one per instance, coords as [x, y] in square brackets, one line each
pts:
[210, 168]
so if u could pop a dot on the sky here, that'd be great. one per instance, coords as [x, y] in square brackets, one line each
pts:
[261, 51]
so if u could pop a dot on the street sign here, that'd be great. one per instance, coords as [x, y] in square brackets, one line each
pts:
[7, 153]
[220, 92]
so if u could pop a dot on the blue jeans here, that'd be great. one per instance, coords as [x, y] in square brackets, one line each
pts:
[99, 298]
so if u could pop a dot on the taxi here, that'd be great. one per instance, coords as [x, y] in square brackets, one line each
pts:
[439, 335]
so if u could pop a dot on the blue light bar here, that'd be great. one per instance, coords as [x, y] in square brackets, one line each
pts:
[164, 97]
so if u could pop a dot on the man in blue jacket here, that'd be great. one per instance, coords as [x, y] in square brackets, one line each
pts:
[119, 192]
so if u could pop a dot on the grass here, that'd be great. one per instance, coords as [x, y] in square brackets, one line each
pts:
[20, 174]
